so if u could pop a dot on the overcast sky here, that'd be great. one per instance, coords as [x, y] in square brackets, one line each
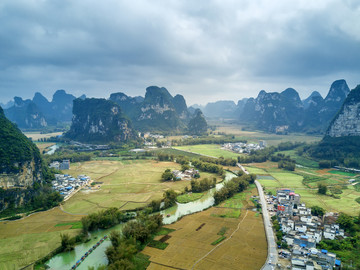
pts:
[205, 50]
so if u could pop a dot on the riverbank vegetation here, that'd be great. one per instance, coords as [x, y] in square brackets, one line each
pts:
[235, 185]
[136, 234]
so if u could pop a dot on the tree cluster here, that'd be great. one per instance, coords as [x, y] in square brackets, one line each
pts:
[126, 245]
[202, 185]
[104, 219]
[322, 189]
[317, 211]
[207, 167]
[235, 185]
[344, 151]
[167, 175]
[348, 249]
[207, 140]
[220, 161]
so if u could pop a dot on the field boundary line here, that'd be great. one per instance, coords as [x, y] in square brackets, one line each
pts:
[238, 227]
[172, 267]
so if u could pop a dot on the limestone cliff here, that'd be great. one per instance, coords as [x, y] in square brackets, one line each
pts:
[20, 161]
[347, 121]
[20, 166]
[99, 121]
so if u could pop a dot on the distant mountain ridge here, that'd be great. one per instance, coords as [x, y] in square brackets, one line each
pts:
[26, 114]
[39, 112]
[284, 111]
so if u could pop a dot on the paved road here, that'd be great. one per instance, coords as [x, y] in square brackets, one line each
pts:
[272, 251]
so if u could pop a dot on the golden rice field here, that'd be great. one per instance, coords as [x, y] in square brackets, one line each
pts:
[35, 136]
[244, 247]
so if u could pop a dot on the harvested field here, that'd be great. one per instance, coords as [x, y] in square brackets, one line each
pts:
[35, 136]
[244, 247]
[42, 146]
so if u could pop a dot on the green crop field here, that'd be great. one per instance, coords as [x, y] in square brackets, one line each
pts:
[255, 170]
[341, 173]
[213, 150]
[301, 160]
[294, 180]
[189, 197]
[176, 152]
[124, 184]
[26, 240]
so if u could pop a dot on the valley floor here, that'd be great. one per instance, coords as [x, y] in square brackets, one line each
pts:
[190, 247]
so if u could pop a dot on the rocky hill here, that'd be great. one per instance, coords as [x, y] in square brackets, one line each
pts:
[274, 112]
[159, 111]
[26, 114]
[347, 120]
[59, 109]
[20, 166]
[308, 101]
[99, 121]
[197, 125]
[220, 109]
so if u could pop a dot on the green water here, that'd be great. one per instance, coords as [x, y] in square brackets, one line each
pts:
[66, 260]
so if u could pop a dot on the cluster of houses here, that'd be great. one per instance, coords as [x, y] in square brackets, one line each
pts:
[64, 165]
[66, 184]
[154, 136]
[89, 147]
[186, 175]
[241, 147]
[302, 231]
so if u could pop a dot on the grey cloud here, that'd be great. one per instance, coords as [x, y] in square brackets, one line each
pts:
[205, 50]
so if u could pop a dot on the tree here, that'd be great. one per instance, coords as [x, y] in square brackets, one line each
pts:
[167, 175]
[67, 243]
[185, 167]
[169, 198]
[317, 211]
[322, 189]
[346, 222]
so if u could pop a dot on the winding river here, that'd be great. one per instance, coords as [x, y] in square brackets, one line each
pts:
[52, 150]
[66, 260]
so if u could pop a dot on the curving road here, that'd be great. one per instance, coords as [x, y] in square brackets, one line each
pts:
[272, 257]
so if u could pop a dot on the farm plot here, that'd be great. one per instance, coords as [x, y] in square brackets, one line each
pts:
[213, 150]
[239, 240]
[125, 185]
[26, 240]
[246, 249]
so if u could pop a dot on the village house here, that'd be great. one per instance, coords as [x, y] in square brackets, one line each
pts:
[64, 165]
[66, 184]
[302, 231]
[186, 175]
